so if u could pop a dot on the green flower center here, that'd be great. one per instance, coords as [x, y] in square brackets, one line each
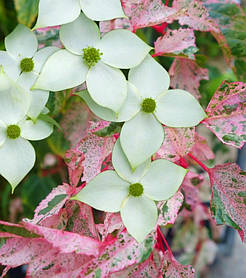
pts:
[148, 105]
[26, 65]
[136, 189]
[13, 131]
[91, 56]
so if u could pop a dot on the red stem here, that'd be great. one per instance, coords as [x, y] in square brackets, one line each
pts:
[164, 240]
[204, 167]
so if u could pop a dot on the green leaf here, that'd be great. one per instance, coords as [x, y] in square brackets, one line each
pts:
[109, 130]
[27, 11]
[48, 119]
[58, 143]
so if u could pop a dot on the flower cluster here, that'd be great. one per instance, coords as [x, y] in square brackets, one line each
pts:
[143, 103]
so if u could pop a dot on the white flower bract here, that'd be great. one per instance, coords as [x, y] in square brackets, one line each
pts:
[58, 12]
[110, 191]
[87, 57]
[142, 133]
[22, 45]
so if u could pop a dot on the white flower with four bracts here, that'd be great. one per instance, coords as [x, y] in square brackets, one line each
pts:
[149, 104]
[87, 57]
[22, 62]
[133, 193]
[58, 12]
[16, 153]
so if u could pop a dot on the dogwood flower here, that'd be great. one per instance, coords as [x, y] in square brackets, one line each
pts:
[94, 60]
[133, 193]
[16, 153]
[149, 104]
[23, 62]
[58, 12]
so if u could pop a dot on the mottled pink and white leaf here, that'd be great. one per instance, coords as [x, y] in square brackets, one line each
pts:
[74, 159]
[227, 113]
[201, 149]
[95, 150]
[169, 209]
[186, 75]
[67, 242]
[176, 42]
[178, 143]
[228, 202]
[52, 204]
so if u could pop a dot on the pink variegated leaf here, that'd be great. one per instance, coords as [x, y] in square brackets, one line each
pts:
[118, 23]
[228, 203]
[112, 222]
[186, 75]
[80, 219]
[57, 265]
[67, 242]
[147, 268]
[76, 122]
[18, 251]
[176, 42]
[52, 204]
[118, 254]
[74, 159]
[146, 13]
[141, 13]
[201, 149]
[193, 14]
[178, 142]
[95, 150]
[97, 124]
[172, 268]
[169, 209]
[227, 113]
[190, 187]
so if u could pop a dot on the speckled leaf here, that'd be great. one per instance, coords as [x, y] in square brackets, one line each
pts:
[176, 42]
[141, 13]
[228, 203]
[169, 209]
[18, 251]
[194, 14]
[54, 264]
[227, 113]
[67, 242]
[74, 159]
[182, 71]
[121, 253]
[80, 219]
[52, 204]
[178, 142]
[112, 222]
[190, 188]
[76, 122]
[201, 149]
[95, 150]
[146, 269]
[174, 269]
[146, 13]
